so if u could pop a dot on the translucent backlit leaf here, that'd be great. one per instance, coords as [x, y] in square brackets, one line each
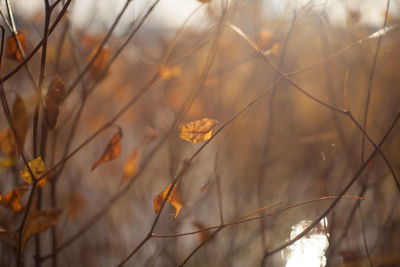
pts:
[112, 150]
[7, 142]
[131, 167]
[11, 200]
[39, 221]
[20, 119]
[12, 50]
[174, 199]
[100, 63]
[55, 96]
[38, 168]
[197, 131]
[169, 72]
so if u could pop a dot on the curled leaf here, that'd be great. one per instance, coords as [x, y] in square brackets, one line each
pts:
[39, 221]
[112, 150]
[131, 167]
[7, 142]
[174, 199]
[12, 50]
[55, 96]
[20, 119]
[11, 200]
[197, 131]
[100, 63]
[38, 168]
[169, 72]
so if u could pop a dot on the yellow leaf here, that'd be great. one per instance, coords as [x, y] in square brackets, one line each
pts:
[12, 50]
[7, 142]
[38, 168]
[7, 163]
[169, 72]
[20, 118]
[197, 131]
[131, 167]
[11, 200]
[39, 221]
[112, 150]
[174, 199]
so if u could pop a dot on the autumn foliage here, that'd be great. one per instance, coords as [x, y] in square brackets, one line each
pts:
[201, 141]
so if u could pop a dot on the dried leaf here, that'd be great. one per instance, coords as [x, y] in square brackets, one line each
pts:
[7, 163]
[100, 63]
[56, 92]
[169, 72]
[11, 200]
[12, 50]
[55, 96]
[112, 150]
[39, 221]
[20, 119]
[197, 131]
[7, 142]
[38, 168]
[131, 167]
[174, 199]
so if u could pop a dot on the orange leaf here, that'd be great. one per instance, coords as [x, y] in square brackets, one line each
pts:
[100, 63]
[11, 200]
[174, 199]
[12, 50]
[75, 206]
[169, 72]
[55, 96]
[39, 221]
[131, 167]
[7, 142]
[197, 131]
[20, 118]
[112, 150]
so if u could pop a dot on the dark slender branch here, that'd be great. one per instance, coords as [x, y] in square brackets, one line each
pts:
[38, 46]
[370, 80]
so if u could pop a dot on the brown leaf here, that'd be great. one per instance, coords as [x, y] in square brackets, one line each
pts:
[39, 221]
[131, 167]
[7, 142]
[11, 200]
[100, 63]
[112, 150]
[20, 119]
[197, 131]
[55, 96]
[12, 50]
[174, 199]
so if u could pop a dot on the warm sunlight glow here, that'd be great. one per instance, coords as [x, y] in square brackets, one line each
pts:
[310, 250]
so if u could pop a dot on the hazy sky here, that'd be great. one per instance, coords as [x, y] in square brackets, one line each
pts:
[171, 13]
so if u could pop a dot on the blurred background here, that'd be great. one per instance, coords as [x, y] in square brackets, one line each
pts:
[285, 148]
